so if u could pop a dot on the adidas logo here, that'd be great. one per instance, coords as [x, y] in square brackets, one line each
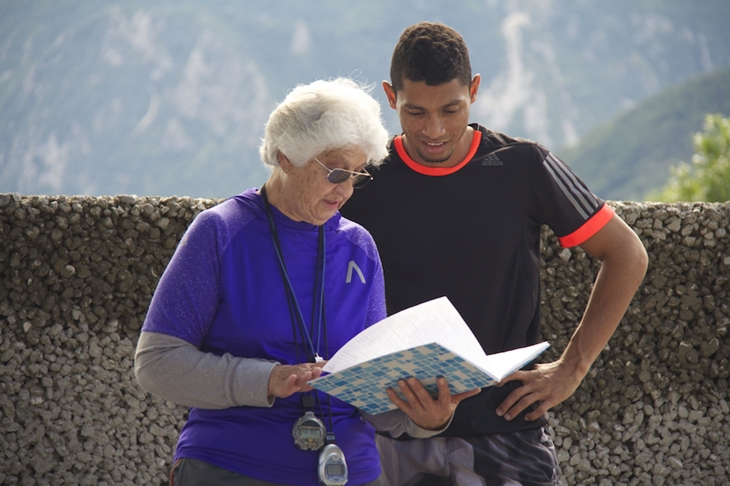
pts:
[492, 160]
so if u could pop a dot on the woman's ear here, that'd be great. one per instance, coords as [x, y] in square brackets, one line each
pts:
[284, 162]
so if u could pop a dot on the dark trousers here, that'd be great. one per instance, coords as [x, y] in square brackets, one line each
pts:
[191, 472]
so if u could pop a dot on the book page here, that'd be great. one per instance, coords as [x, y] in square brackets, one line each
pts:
[502, 364]
[433, 321]
[424, 341]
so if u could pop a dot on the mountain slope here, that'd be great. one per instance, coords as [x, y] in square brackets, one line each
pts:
[629, 156]
[170, 97]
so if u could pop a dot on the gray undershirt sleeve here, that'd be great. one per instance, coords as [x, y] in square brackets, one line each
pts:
[177, 371]
[397, 423]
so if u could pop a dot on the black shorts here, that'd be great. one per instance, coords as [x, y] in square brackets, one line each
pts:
[525, 458]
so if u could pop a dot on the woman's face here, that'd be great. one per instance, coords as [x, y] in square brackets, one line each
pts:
[308, 196]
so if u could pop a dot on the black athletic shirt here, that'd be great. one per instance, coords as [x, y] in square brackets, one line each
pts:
[472, 233]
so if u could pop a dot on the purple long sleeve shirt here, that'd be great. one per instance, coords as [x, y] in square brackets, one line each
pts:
[223, 292]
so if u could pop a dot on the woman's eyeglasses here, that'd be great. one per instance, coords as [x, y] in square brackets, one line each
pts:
[338, 176]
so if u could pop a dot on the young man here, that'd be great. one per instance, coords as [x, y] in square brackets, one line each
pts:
[456, 210]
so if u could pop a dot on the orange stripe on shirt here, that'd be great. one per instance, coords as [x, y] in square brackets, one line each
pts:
[437, 171]
[589, 228]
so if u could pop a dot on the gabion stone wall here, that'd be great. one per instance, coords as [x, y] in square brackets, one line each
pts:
[654, 407]
[77, 275]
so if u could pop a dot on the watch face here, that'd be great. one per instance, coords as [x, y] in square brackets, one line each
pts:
[309, 432]
[332, 466]
[335, 469]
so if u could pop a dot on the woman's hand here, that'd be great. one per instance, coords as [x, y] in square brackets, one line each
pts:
[426, 411]
[285, 380]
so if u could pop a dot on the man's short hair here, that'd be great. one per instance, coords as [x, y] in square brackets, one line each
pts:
[430, 52]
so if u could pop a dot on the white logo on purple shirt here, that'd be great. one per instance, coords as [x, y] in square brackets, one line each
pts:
[353, 266]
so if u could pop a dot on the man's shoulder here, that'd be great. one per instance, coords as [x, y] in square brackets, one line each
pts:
[392, 152]
[492, 139]
[392, 163]
[497, 148]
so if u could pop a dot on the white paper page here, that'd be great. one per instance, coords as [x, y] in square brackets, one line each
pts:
[433, 321]
[502, 364]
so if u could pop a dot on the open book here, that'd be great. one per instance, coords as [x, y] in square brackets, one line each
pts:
[425, 341]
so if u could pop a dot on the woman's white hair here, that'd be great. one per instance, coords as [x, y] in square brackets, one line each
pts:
[322, 116]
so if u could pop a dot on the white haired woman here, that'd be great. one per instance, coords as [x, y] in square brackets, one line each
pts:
[256, 298]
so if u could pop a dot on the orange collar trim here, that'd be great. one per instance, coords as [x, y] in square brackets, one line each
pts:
[437, 171]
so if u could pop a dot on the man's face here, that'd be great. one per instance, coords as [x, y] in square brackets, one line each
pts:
[434, 119]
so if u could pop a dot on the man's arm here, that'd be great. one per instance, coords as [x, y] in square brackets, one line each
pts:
[623, 266]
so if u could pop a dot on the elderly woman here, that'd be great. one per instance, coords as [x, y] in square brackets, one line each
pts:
[256, 297]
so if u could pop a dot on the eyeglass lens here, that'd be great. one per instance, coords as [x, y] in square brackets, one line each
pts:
[338, 176]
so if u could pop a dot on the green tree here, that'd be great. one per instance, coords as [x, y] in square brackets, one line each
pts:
[708, 177]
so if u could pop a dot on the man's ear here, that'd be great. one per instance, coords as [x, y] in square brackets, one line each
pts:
[474, 87]
[389, 93]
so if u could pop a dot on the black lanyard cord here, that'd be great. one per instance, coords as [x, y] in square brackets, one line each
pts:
[284, 276]
[318, 310]
[294, 308]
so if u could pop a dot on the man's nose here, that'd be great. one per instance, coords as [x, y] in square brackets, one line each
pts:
[434, 127]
